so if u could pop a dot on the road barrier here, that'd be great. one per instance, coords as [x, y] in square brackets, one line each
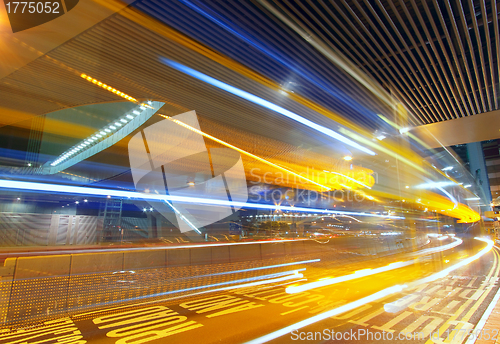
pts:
[41, 288]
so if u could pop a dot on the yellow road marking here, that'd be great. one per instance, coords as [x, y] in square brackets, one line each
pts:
[145, 325]
[60, 330]
[294, 310]
[387, 327]
[465, 306]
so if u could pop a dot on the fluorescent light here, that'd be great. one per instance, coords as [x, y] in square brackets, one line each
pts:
[449, 168]
[136, 112]
[467, 186]
[473, 199]
[88, 141]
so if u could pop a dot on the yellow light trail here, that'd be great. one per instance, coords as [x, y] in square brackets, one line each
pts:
[374, 297]
[241, 150]
[355, 131]
[349, 178]
[404, 155]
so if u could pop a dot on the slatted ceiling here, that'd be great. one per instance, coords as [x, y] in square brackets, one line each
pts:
[341, 47]
[166, 81]
[346, 28]
[439, 57]
[429, 54]
[256, 144]
[125, 55]
[328, 23]
[53, 88]
[366, 53]
[324, 68]
[114, 52]
[217, 37]
[144, 50]
[300, 51]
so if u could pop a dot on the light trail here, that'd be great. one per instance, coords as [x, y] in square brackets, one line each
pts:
[369, 272]
[350, 217]
[371, 298]
[241, 150]
[265, 267]
[257, 280]
[328, 314]
[265, 103]
[430, 250]
[101, 250]
[345, 278]
[31, 186]
[182, 217]
[464, 262]
[349, 178]
[294, 275]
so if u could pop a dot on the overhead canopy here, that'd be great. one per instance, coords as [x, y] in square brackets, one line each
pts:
[481, 127]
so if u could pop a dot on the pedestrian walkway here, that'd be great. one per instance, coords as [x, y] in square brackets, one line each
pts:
[491, 329]
[490, 333]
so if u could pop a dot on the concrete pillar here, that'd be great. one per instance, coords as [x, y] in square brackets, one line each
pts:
[152, 226]
[479, 172]
[54, 227]
[69, 230]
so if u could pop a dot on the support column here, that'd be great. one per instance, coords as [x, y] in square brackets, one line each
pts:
[54, 227]
[478, 170]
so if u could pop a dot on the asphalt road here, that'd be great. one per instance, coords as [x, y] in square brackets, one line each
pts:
[438, 311]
